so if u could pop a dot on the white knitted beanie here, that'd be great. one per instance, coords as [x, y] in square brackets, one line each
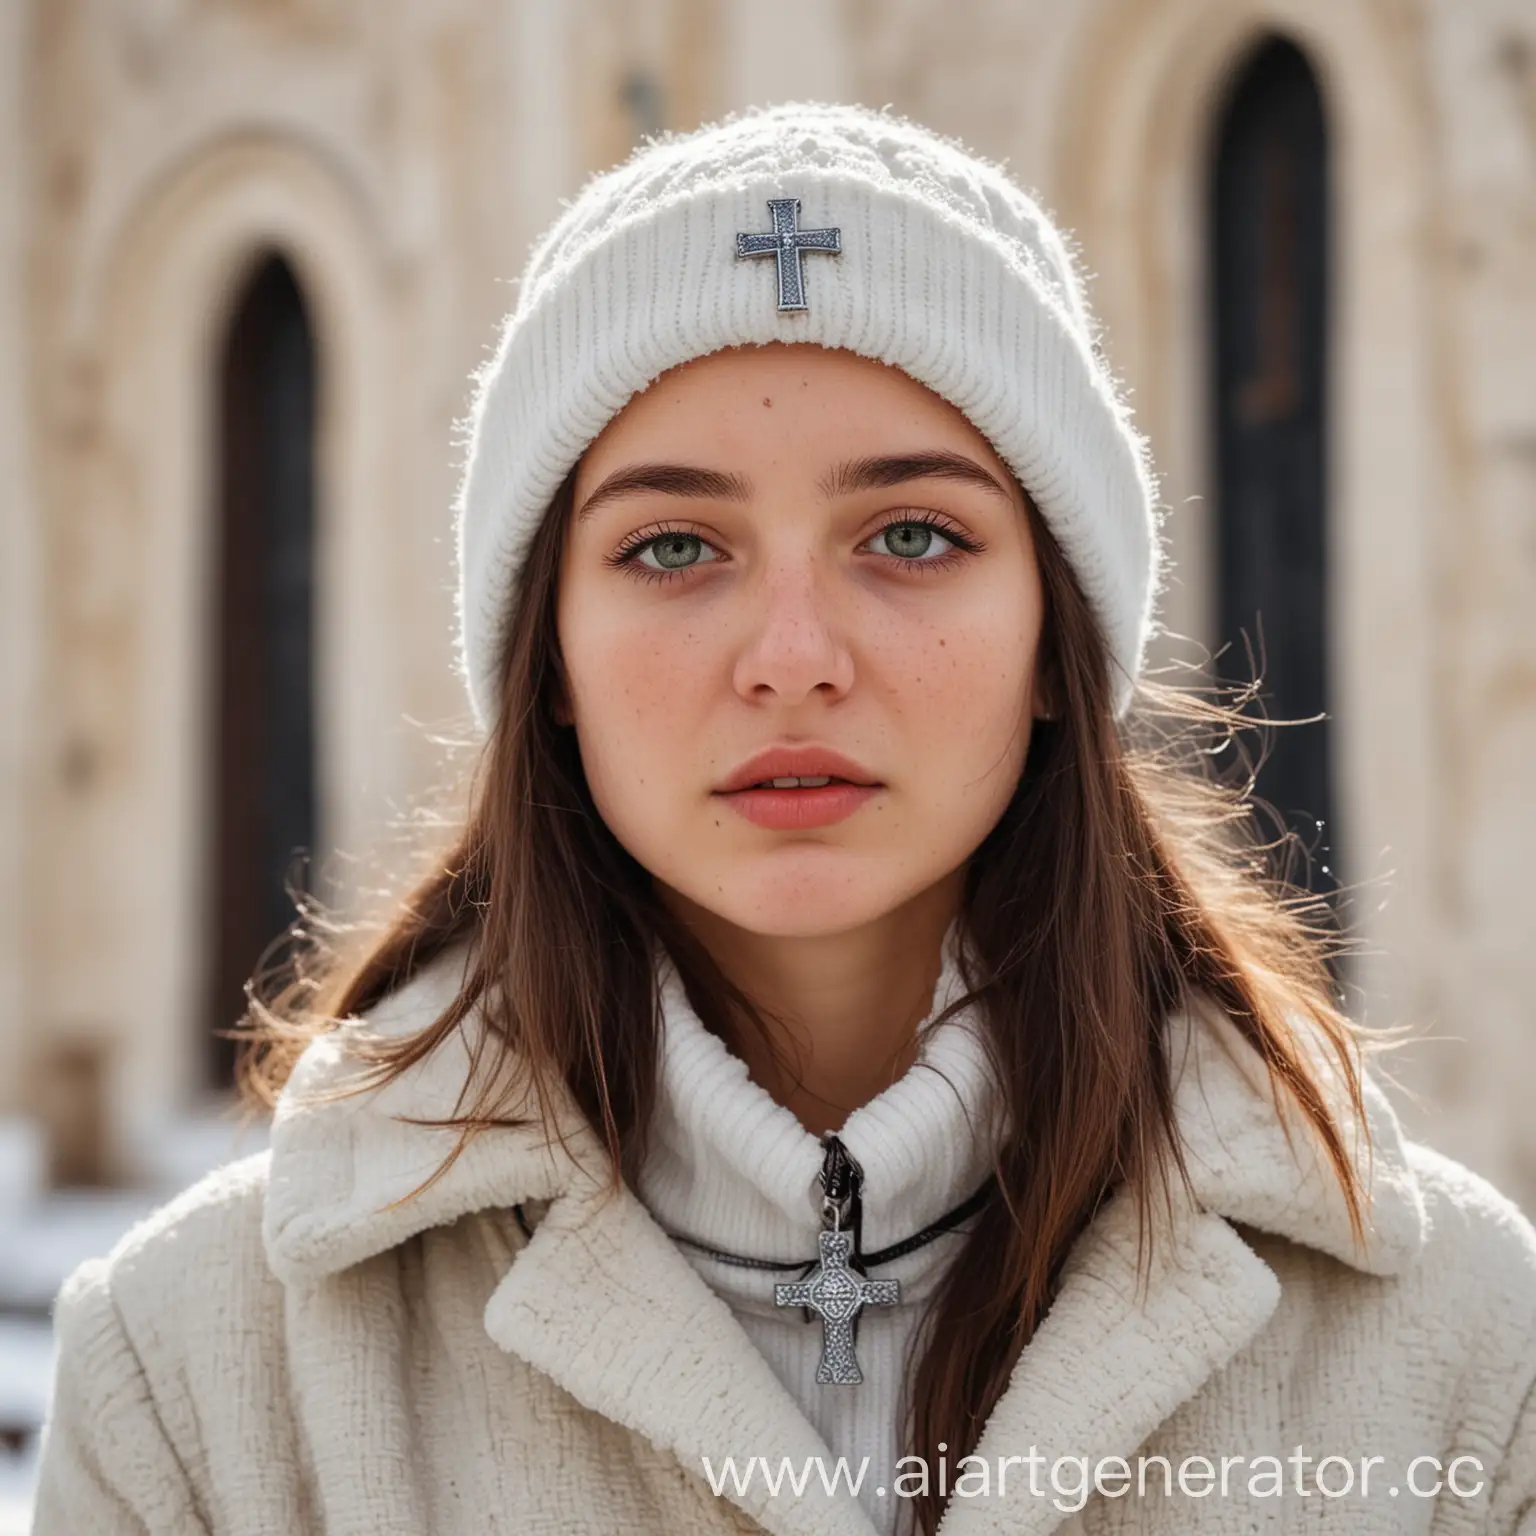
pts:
[909, 250]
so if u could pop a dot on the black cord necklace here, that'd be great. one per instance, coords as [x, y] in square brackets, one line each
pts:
[835, 1284]
[945, 1223]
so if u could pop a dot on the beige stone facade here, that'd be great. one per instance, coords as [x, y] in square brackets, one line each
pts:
[402, 153]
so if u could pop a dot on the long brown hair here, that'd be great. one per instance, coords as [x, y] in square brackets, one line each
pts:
[1117, 884]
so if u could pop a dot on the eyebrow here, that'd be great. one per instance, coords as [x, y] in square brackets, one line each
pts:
[868, 474]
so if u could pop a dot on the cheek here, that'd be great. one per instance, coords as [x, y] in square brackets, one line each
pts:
[634, 687]
[964, 688]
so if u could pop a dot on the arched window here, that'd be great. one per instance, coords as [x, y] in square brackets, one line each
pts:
[1269, 242]
[262, 711]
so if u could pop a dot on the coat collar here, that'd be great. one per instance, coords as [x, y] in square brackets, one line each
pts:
[602, 1302]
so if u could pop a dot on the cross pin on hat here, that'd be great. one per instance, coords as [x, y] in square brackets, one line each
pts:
[785, 242]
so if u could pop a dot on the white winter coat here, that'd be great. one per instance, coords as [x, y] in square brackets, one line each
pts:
[281, 1349]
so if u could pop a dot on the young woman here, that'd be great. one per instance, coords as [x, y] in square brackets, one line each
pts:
[842, 1076]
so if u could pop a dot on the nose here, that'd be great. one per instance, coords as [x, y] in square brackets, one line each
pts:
[794, 645]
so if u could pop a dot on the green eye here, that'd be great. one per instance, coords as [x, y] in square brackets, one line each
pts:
[668, 552]
[909, 540]
[674, 551]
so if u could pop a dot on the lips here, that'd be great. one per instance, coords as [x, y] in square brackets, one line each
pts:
[796, 762]
[802, 809]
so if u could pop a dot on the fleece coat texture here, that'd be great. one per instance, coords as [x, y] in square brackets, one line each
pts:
[293, 1346]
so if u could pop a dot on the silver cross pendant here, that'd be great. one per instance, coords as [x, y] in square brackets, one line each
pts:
[835, 1290]
[837, 1294]
[784, 242]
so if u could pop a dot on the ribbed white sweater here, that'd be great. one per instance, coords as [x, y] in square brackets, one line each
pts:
[735, 1169]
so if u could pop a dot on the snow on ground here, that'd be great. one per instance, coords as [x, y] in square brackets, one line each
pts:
[26, 1376]
[18, 1476]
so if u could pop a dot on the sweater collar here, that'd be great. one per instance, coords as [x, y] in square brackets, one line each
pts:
[339, 1167]
[730, 1166]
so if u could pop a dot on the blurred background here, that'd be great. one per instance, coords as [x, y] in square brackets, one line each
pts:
[252, 250]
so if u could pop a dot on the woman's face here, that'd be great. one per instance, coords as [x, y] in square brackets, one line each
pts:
[792, 547]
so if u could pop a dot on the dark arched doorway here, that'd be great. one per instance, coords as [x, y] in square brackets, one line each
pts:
[1269, 293]
[262, 709]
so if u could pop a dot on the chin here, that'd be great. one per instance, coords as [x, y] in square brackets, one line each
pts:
[794, 920]
[803, 902]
